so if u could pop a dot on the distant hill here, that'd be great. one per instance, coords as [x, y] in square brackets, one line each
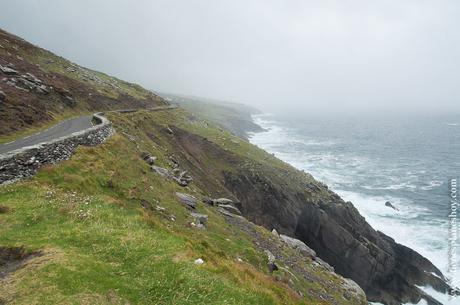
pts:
[235, 117]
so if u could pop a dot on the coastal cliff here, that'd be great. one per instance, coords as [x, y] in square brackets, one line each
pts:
[138, 220]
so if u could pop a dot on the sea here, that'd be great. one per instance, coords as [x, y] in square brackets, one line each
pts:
[411, 161]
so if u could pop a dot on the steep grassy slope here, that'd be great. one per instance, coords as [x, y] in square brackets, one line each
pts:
[98, 238]
[41, 88]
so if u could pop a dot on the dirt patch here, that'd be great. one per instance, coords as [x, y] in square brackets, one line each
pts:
[3, 210]
[13, 258]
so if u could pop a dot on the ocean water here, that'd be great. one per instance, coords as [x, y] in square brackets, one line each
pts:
[407, 161]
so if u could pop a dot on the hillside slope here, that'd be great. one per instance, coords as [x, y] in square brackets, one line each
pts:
[230, 116]
[39, 88]
[109, 227]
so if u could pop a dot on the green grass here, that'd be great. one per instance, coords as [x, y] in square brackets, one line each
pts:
[101, 247]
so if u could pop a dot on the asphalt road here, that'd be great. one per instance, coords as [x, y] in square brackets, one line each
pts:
[64, 128]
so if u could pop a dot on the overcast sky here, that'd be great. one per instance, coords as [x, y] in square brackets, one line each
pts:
[341, 56]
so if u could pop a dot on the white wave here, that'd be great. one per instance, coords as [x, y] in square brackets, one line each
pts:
[433, 184]
[428, 237]
[441, 297]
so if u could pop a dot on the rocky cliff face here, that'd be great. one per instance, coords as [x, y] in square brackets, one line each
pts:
[387, 271]
[292, 202]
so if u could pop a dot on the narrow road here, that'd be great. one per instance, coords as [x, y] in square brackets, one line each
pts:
[65, 128]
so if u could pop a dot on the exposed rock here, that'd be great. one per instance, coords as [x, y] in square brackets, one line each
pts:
[230, 208]
[149, 158]
[291, 260]
[299, 245]
[227, 213]
[388, 272]
[2, 96]
[271, 261]
[223, 201]
[390, 205]
[160, 170]
[188, 200]
[275, 233]
[8, 71]
[201, 220]
[352, 289]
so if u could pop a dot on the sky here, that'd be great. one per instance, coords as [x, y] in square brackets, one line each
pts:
[324, 56]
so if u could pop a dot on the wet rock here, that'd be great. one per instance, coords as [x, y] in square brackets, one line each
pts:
[390, 205]
[299, 245]
[188, 200]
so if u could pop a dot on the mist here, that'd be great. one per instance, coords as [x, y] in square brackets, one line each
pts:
[335, 57]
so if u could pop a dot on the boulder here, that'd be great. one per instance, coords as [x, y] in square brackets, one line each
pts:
[230, 208]
[151, 160]
[201, 220]
[189, 200]
[390, 205]
[271, 261]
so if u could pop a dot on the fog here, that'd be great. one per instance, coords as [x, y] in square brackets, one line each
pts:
[303, 56]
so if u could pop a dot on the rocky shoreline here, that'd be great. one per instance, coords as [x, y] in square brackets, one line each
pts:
[388, 272]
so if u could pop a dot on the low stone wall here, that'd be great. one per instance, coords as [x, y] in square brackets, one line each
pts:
[26, 161]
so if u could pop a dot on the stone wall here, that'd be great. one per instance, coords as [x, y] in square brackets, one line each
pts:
[25, 162]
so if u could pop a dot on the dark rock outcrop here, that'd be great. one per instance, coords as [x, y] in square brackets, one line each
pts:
[387, 271]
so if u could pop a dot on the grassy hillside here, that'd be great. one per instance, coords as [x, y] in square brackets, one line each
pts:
[39, 88]
[97, 237]
[103, 228]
